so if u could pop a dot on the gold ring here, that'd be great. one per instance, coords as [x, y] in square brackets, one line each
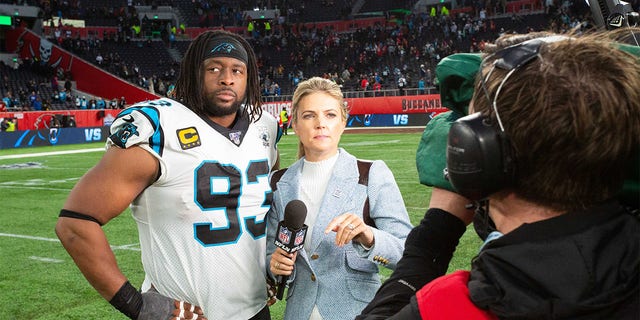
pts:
[351, 226]
[277, 265]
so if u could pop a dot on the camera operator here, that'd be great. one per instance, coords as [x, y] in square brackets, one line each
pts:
[557, 126]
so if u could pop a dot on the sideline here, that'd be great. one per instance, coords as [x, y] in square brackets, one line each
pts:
[52, 153]
[347, 130]
[398, 129]
[129, 247]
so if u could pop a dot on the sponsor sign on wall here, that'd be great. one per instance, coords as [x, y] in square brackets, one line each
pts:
[389, 120]
[52, 136]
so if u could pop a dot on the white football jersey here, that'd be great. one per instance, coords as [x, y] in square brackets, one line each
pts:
[201, 224]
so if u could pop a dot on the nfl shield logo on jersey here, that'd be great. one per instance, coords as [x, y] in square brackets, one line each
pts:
[235, 137]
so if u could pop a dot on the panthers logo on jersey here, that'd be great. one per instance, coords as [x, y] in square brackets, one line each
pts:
[124, 133]
[264, 135]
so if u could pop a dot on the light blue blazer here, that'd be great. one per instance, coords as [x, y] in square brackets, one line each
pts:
[341, 281]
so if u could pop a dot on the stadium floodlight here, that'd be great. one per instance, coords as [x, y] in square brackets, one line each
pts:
[5, 20]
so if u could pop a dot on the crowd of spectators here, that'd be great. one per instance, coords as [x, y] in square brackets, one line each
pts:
[387, 57]
[31, 86]
[399, 55]
[25, 86]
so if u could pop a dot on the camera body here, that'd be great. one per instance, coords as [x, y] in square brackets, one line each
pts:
[613, 14]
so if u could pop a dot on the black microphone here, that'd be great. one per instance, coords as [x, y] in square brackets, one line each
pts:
[291, 234]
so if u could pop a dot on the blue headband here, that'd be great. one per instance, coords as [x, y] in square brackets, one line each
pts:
[226, 47]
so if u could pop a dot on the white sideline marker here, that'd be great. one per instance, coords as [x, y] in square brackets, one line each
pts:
[130, 247]
[52, 153]
[43, 259]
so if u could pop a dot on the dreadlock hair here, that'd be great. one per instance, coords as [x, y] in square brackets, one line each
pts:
[189, 89]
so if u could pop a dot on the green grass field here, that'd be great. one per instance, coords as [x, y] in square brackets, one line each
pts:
[38, 279]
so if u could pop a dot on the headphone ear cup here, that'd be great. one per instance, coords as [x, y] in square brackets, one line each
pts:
[479, 157]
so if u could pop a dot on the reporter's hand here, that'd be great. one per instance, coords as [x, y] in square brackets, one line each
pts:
[350, 227]
[282, 263]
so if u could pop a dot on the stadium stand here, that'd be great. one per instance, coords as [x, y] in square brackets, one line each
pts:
[403, 43]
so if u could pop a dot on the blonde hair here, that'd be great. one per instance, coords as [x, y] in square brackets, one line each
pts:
[313, 85]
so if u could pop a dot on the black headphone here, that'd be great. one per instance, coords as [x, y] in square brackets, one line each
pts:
[480, 159]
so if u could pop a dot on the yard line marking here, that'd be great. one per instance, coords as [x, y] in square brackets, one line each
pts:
[368, 143]
[13, 186]
[28, 237]
[52, 153]
[130, 247]
[43, 259]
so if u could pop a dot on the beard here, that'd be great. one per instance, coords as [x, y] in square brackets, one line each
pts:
[213, 109]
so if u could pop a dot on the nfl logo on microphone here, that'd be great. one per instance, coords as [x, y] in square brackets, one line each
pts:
[284, 235]
[299, 237]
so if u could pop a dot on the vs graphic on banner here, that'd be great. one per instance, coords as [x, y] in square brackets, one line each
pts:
[93, 134]
[400, 119]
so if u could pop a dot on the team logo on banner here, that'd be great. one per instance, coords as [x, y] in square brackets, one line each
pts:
[53, 135]
[32, 46]
[188, 138]
[284, 235]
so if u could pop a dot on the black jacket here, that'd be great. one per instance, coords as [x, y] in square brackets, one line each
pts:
[581, 265]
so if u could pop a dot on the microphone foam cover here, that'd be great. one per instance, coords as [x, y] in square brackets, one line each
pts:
[294, 214]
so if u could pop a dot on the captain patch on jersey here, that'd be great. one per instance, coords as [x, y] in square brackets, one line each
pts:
[188, 138]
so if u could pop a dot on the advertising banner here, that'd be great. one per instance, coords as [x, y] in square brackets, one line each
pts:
[389, 120]
[52, 136]
[425, 104]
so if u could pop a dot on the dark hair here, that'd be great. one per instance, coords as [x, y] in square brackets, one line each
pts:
[189, 88]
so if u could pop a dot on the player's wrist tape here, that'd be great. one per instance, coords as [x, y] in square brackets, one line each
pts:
[128, 300]
[77, 215]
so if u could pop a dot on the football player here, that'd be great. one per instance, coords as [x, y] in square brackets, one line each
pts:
[194, 171]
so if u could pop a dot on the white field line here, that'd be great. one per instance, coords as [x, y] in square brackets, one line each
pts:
[15, 186]
[52, 153]
[43, 259]
[368, 143]
[130, 247]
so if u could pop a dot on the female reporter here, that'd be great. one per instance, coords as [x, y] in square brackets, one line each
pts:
[354, 225]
